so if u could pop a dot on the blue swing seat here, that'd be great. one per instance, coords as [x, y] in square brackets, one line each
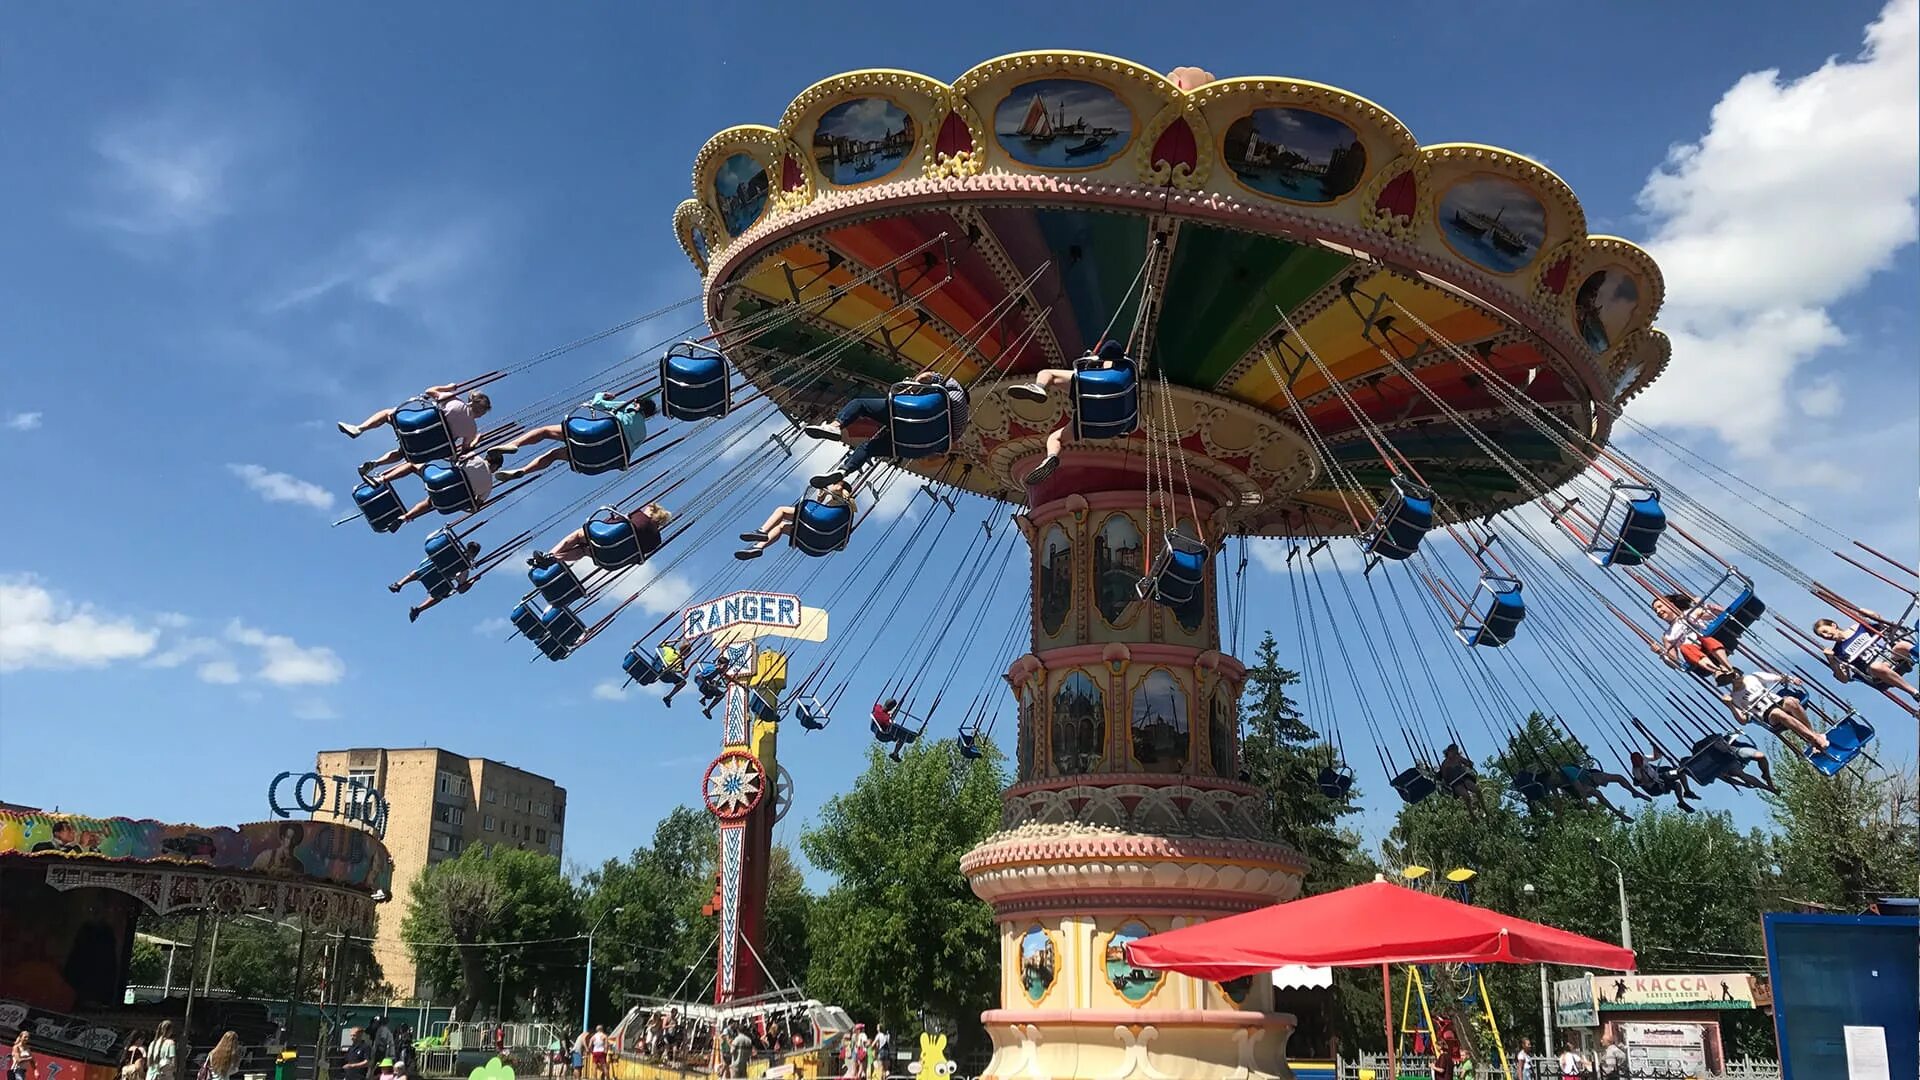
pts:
[380, 505]
[643, 665]
[969, 744]
[812, 714]
[438, 583]
[1738, 615]
[1334, 783]
[595, 441]
[1496, 625]
[421, 429]
[446, 554]
[563, 631]
[1529, 786]
[693, 383]
[1631, 539]
[554, 649]
[526, 619]
[820, 528]
[1414, 785]
[920, 420]
[1712, 759]
[448, 489]
[612, 542]
[761, 709]
[1403, 521]
[1106, 400]
[1178, 575]
[558, 584]
[1845, 740]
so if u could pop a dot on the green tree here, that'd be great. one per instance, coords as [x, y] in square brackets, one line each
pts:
[900, 930]
[1844, 841]
[499, 923]
[1283, 754]
[251, 957]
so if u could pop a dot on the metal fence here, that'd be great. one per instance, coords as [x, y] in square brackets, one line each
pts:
[1375, 1066]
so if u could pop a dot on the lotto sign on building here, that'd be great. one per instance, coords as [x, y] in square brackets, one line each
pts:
[1671, 992]
[742, 615]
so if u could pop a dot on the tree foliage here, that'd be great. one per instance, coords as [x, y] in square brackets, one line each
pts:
[498, 923]
[1844, 841]
[900, 931]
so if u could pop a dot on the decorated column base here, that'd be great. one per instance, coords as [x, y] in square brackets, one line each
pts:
[1069, 895]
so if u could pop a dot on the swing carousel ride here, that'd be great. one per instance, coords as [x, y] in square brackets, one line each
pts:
[1132, 321]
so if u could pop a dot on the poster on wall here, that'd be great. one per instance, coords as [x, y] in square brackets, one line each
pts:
[1665, 1049]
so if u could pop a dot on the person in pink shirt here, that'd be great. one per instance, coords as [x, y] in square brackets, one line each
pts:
[461, 415]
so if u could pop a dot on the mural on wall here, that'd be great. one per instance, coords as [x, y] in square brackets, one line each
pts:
[1295, 154]
[1056, 580]
[1604, 306]
[1063, 124]
[1037, 963]
[329, 852]
[861, 140]
[1118, 565]
[1134, 984]
[1220, 733]
[740, 186]
[1161, 731]
[1494, 222]
[1079, 725]
[1029, 732]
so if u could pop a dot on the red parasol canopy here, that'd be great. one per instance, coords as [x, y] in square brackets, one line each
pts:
[1375, 923]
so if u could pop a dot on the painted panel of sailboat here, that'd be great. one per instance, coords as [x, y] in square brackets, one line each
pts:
[740, 185]
[861, 140]
[1494, 222]
[1063, 124]
[1295, 154]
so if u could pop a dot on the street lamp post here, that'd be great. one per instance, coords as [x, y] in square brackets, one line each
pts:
[586, 993]
[1620, 879]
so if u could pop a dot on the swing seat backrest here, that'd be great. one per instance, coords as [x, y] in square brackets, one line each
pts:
[558, 584]
[526, 619]
[555, 649]
[421, 429]
[1403, 521]
[693, 383]
[762, 710]
[1179, 573]
[380, 505]
[1528, 785]
[446, 554]
[1710, 760]
[642, 666]
[611, 540]
[1414, 785]
[1845, 741]
[1500, 620]
[820, 528]
[812, 714]
[447, 488]
[438, 583]
[1632, 540]
[920, 420]
[595, 441]
[563, 625]
[1106, 400]
[1334, 783]
[969, 745]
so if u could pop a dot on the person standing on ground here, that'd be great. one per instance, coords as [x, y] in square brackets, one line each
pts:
[133, 1065]
[739, 1053]
[1613, 1058]
[1569, 1062]
[1523, 1061]
[20, 1065]
[882, 1046]
[223, 1060]
[597, 1046]
[359, 1060]
[160, 1052]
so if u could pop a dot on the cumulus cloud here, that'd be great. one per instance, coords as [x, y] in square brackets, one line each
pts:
[1757, 243]
[493, 627]
[219, 672]
[40, 629]
[284, 661]
[23, 421]
[280, 487]
[609, 690]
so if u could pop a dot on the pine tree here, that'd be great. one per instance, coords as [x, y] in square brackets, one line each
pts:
[1283, 754]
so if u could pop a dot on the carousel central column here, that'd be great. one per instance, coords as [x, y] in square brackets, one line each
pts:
[1126, 817]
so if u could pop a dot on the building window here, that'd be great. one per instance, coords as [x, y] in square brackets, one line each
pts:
[453, 784]
[452, 815]
[539, 836]
[553, 843]
[492, 796]
[487, 823]
[542, 810]
[513, 829]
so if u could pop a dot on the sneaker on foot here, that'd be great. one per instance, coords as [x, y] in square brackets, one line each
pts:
[753, 537]
[539, 559]
[828, 430]
[394, 587]
[1043, 470]
[828, 478]
[348, 430]
[747, 553]
[413, 614]
[1027, 391]
[506, 475]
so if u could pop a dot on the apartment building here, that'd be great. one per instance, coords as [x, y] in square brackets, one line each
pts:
[438, 804]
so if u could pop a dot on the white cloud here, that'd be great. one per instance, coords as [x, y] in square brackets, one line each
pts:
[219, 672]
[24, 421]
[179, 651]
[407, 265]
[493, 627]
[658, 591]
[39, 629]
[1756, 242]
[609, 690]
[280, 487]
[163, 172]
[285, 662]
[313, 709]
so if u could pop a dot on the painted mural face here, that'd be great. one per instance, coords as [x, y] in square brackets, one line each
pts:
[1295, 154]
[1056, 581]
[1493, 222]
[1117, 566]
[1161, 732]
[1037, 963]
[1134, 984]
[740, 187]
[1604, 305]
[1079, 725]
[1220, 734]
[1063, 124]
[861, 140]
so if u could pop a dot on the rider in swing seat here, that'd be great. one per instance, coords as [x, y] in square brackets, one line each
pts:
[473, 468]
[630, 415]
[1457, 777]
[1887, 671]
[461, 580]
[460, 415]
[712, 678]
[876, 409]
[1754, 700]
[1701, 654]
[647, 522]
[673, 669]
[1111, 354]
[1585, 781]
[888, 728]
[1655, 778]
[780, 522]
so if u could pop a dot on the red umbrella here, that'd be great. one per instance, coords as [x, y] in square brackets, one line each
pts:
[1376, 923]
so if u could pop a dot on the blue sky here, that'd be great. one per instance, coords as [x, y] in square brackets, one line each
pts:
[235, 224]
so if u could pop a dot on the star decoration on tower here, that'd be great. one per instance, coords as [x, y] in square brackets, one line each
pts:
[735, 784]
